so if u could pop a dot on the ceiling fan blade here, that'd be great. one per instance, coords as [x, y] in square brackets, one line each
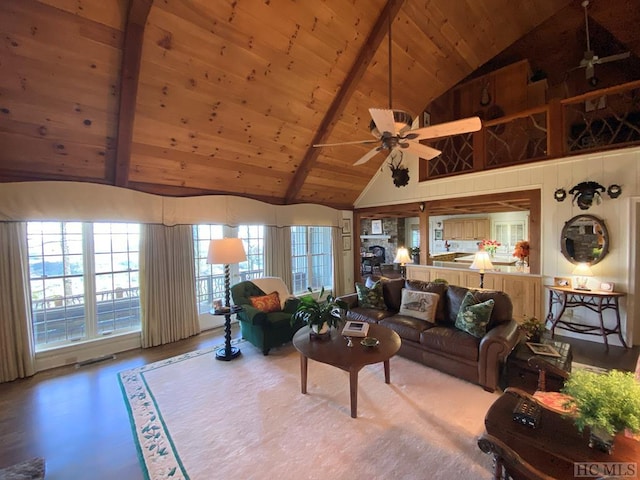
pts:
[368, 156]
[384, 120]
[355, 142]
[589, 71]
[471, 124]
[423, 151]
[613, 58]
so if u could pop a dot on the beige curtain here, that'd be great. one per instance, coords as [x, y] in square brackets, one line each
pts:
[338, 262]
[167, 284]
[17, 350]
[277, 254]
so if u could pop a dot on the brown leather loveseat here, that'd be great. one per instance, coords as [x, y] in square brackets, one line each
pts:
[441, 344]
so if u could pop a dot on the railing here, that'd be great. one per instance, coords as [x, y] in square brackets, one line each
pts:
[601, 120]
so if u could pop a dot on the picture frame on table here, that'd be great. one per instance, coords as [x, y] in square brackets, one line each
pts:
[346, 243]
[346, 226]
[562, 282]
[437, 234]
[606, 286]
[376, 227]
[426, 119]
[543, 349]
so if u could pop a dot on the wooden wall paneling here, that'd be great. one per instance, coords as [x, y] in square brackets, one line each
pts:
[358, 69]
[111, 13]
[75, 160]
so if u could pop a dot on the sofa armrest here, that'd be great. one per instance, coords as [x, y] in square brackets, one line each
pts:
[350, 299]
[252, 315]
[495, 347]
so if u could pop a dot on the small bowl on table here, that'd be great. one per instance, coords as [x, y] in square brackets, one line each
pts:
[369, 342]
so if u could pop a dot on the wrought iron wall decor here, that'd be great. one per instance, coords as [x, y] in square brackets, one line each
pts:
[585, 193]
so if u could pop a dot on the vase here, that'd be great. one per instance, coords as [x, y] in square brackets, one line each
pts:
[318, 331]
[601, 440]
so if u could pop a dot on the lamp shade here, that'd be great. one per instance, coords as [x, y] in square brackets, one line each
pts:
[582, 270]
[402, 256]
[481, 261]
[226, 251]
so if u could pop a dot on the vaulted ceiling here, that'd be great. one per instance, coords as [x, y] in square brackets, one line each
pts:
[191, 97]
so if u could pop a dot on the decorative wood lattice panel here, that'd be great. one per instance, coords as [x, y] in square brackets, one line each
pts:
[456, 156]
[603, 121]
[519, 141]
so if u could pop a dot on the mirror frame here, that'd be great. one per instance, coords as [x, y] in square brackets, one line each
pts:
[605, 234]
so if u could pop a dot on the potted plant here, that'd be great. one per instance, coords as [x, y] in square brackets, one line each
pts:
[319, 314]
[607, 403]
[533, 329]
[415, 254]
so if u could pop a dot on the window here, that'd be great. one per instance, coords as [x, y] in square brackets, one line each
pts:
[510, 233]
[210, 278]
[311, 258]
[84, 280]
[415, 235]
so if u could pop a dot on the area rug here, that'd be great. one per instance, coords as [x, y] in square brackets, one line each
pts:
[28, 470]
[194, 417]
[583, 366]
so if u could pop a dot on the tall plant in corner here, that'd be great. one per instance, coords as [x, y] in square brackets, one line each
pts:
[318, 313]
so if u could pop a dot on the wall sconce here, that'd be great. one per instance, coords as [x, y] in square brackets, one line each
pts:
[422, 206]
[585, 193]
[560, 194]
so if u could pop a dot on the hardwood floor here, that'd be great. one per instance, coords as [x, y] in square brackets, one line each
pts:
[76, 418]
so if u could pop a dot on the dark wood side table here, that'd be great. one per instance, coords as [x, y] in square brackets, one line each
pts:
[595, 301]
[518, 372]
[552, 451]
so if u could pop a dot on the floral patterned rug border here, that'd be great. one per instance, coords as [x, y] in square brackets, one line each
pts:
[156, 451]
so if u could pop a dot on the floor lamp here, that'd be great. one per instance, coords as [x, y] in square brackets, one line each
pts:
[482, 262]
[402, 257]
[226, 251]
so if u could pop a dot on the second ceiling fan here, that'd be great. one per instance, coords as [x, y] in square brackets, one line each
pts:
[392, 129]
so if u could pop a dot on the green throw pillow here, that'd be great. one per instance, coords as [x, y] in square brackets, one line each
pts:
[473, 317]
[370, 297]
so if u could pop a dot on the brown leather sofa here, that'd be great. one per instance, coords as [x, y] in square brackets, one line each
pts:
[441, 345]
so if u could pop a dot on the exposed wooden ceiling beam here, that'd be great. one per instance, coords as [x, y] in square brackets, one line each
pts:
[341, 99]
[129, 73]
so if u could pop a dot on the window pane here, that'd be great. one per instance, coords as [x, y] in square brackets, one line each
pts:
[57, 284]
[209, 278]
[116, 279]
[311, 258]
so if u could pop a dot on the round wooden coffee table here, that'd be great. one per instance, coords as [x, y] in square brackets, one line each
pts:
[334, 351]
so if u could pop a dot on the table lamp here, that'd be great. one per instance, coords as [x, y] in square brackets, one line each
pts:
[402, 257]
[482, 262]
[582, 273]
[226, 251]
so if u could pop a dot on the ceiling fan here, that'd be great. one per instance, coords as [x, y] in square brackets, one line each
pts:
[590, 59]
[392, 131]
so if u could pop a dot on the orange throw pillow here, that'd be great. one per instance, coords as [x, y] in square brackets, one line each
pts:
[267, 303]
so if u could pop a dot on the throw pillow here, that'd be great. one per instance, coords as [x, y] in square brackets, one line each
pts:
[420, 305]
[266, 303]
[473, 317]
[370, 297]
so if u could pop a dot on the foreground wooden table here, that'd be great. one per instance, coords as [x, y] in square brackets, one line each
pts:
[334, 351]
[554, 450]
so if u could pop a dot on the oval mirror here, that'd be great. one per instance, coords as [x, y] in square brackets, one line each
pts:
[584, 239]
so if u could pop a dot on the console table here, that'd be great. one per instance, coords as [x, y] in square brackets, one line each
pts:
[596, 301]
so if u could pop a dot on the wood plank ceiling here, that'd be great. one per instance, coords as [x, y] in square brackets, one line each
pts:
[189, 97]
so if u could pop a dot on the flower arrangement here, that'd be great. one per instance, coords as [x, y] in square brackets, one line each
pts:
[532, 328]
[521, 250]
[490, 246]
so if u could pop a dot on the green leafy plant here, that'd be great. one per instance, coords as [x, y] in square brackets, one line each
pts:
[532, 327]
[315, 311]
[608, 401]
[415, 251]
